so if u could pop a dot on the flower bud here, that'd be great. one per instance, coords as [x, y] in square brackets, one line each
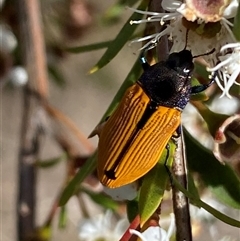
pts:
[207, 10]
[227, 141]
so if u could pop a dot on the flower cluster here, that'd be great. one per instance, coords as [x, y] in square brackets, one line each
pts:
[101, 227]
[209, 26]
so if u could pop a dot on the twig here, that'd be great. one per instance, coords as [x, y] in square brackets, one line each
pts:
[33, 57]
[162, 47]
[71, 126]
[32, 45]
[27, 173]
[180, 201]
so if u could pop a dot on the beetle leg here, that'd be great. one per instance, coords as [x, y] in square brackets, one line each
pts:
[199, 88]
[177, 134]
[98, 129]
[168, 150]
[168, 168]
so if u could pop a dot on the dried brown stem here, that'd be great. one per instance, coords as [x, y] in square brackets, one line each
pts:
[59, 116]
[162, 47]
[32, 45]
[33, 58]
[180, 201]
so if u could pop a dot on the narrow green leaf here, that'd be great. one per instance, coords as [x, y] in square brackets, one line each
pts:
[131, 78]
[154, 185]
[51, 162]
[200, 203]
[192, 187]
[101, 199]
[113, 14]
[201, 70]
[62, 222]
[222, 180]
[122, 37]
[88, 48]
[236, 26]
[221, 216]
[56, 75]
[74, 184]
[90, 165]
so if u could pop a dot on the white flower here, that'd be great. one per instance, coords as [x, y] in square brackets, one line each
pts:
[102, 228]
[229, 67]
[194, 10]
[199, 42]
[18, 76]
[7, 39]
[151, 234]
[225, 105]
[126, 192]
[177, 32]
[156, 233]
[208, 223]
[196, 126]
[227, 141]
[203, 215]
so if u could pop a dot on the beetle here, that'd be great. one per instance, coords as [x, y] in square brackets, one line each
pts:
[133, 138]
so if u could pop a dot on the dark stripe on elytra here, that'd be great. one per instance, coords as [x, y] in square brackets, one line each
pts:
[150, 109]
[146, 146]
[121, 131]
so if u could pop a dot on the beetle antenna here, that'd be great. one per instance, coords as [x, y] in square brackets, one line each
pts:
[208, 53]
[186, 40]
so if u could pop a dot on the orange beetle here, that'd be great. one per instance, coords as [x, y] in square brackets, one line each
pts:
[132, 140]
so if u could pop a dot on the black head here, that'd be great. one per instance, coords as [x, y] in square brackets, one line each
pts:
[168, 83]
[181, 62]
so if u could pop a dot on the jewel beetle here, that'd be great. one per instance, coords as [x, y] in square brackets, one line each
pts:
[133, 138]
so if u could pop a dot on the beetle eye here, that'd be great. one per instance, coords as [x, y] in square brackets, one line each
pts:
[186, 70]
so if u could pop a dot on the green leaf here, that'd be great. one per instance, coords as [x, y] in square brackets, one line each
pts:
[236, 26]
[154, 185]
[131, 78]
[51, 162]
[132, 209]
[200, 69]
[90, 165]
[114, 12]
[62, 222]
[74, 184]
[192, 187]
[222, 180]
[122, 37]
[57, 76]
[101, 199]
[90, 47]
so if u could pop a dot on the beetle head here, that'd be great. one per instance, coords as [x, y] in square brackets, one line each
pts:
[168, 83]
[181, 62]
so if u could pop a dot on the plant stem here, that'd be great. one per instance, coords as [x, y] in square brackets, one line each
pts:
[162, 47]
[33, 59]
[180, 201]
